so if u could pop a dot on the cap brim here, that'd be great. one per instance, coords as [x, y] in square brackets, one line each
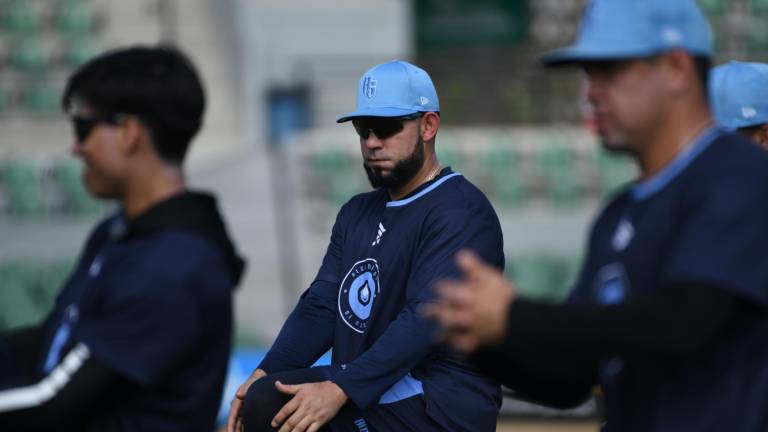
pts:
[377, 112]
[574, 55]
[579, 54]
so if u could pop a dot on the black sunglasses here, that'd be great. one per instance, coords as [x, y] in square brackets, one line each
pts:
[382, 127]
[84, 125]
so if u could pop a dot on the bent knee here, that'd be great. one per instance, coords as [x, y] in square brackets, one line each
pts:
[262, 402]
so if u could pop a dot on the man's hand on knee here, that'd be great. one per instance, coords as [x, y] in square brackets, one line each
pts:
[235, 420]
[312, 406]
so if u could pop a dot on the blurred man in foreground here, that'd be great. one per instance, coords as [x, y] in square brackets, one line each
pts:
[669, 313]
[139, 337]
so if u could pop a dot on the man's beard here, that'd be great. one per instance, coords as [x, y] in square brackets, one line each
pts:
[402, 173]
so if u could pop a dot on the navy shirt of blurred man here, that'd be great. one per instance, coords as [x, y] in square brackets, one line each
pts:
[669, 315]
[139, 337]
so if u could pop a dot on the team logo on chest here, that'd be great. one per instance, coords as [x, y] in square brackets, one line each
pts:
[611, 285]
[623, 235]
[379, 233]
[357, 294]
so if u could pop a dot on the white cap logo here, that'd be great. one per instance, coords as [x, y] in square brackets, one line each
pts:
[671, 36]
[369, 86]
[423, 100]
[748, 112]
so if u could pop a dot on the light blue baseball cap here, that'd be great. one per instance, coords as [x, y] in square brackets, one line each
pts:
[738, 94]
[626, 29]
[394, 89]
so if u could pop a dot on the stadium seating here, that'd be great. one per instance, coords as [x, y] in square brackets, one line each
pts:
[40, 42]
[561, 177]
[758, 5]
[543, 277]
[328, 162]
[508, 188]
[5, 100]
[74, 200]
[450, 156]
[714, 6]
[612, 171]
[31, 56]
[79, 50]
[41, 98]
[21, 17]
[22, 183]
[45, 190]
[28, 290]
[75, 18]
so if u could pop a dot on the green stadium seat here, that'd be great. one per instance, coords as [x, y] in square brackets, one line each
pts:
[714, 6]
[563, 188]
[555, 167]
[541, 277]
[449, 156]
[554, 157]
[613, 171]
[507, 187]
[28, 291]
[75, 17]
[759, 5]
[41, 99]
[501, 158]
[74, 198]
[15, 308]
[497, 172]
[344, 185]
[6, 101]
[21, 18]
[79, 52]
[757, 41]
[30, 56]
[329, 161]
[23, 186]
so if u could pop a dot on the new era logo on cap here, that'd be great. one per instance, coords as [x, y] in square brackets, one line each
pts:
[394, 89]
[738, 92]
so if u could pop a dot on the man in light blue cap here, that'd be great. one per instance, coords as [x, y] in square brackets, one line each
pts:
[669, 315]
[387, 247]
[739, 95]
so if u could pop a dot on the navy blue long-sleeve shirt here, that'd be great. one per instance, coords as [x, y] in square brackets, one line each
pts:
[382, 260]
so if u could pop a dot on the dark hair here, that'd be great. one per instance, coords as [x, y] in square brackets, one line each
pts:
[749, 131]
[703, 66]
[157, 84]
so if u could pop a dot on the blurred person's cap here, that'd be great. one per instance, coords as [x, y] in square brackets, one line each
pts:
[739, 94]
[394, 89]
[626, 29]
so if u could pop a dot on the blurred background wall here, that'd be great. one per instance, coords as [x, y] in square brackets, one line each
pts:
[278, 73]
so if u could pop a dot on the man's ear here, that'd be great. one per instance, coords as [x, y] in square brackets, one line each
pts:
[761, 136]
[133, 134]
[680, 67]
[429, 125]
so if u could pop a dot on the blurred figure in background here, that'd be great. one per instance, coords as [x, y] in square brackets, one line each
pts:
[669, 315]
[139, 337]
[387, 248]
[739, 97]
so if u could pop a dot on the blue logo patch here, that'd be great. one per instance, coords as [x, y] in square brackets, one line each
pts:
[611, 285]
[357, 294]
